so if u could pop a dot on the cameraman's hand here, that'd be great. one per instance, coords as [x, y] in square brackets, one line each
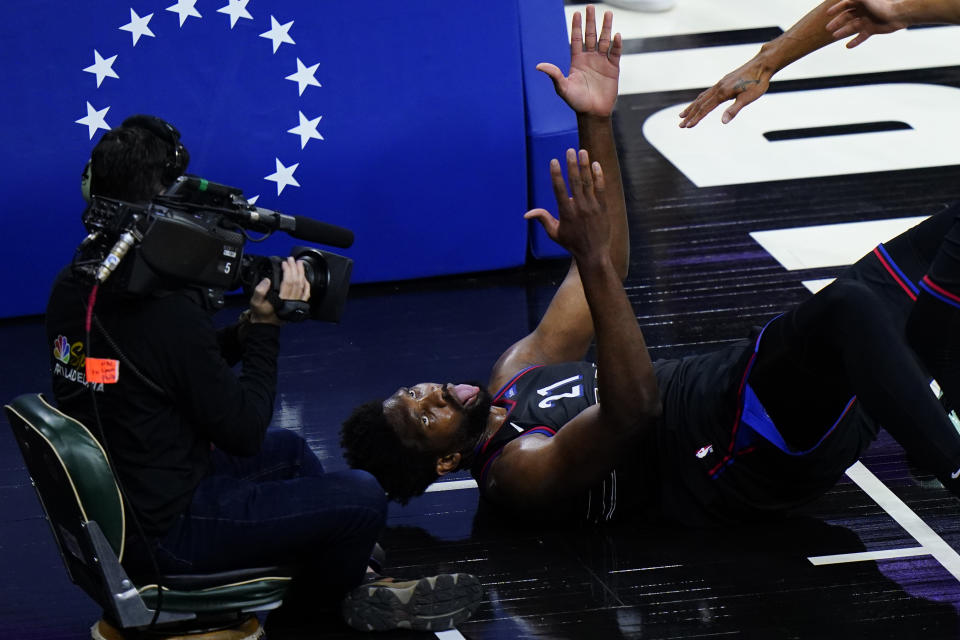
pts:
[293, 286]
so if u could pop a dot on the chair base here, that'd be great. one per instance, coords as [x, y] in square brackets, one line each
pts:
[249, 629]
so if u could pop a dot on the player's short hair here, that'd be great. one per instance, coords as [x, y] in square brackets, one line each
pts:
[370, 443]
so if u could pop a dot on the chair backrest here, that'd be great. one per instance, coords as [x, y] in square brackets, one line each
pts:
[70, 472]
[81, 499]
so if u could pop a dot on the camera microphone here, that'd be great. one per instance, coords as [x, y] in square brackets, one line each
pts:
[201, 190]
[315, 231]
[304, 228]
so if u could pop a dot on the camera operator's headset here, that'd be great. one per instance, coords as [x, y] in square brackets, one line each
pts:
[173, 166]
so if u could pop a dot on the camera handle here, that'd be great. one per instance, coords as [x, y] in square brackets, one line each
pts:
[289, 310]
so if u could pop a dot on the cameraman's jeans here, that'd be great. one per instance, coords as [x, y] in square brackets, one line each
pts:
[280, 508]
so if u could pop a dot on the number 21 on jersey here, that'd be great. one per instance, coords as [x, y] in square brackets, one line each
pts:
[575, 385]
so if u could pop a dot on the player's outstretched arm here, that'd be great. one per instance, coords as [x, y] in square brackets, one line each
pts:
[629, 388]
[750, 81]
[590, 89]
[537, 472]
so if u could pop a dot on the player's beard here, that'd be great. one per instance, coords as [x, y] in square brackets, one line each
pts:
[475, 420]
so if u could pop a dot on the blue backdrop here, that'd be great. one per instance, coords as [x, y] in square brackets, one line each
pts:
[408, 121]
[551, 125]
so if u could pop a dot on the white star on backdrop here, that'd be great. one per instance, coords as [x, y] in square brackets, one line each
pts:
[96, 120]
[185, 9]
[304, 76]
[278, 33]
[236, 9]
[102, 67]
[307, 129]
[283, 176]
[138, 26]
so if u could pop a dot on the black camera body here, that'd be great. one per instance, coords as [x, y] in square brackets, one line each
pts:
[193, 235]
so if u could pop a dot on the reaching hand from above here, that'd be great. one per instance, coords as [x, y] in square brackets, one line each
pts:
[591, 87]
[864, 18]
[752, 79]
[743, 85]
[829, 21]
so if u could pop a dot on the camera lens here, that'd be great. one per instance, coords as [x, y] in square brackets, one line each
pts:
[315, 269]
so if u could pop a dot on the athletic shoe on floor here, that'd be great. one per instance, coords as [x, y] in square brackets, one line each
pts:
[436, 603]
[642, 5]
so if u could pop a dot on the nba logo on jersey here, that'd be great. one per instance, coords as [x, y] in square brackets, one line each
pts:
[512, 391]
[703, 452]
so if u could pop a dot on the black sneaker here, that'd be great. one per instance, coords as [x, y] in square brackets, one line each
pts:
[435, 603]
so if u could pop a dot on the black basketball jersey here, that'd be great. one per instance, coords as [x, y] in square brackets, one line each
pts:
[541, 399]
[703, 462]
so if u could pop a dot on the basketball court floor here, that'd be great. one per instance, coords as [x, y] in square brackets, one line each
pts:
[730, 225]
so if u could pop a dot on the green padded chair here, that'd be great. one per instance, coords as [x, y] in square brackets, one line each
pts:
[81, 500]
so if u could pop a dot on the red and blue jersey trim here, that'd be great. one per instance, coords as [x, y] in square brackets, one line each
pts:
[908, 286]
[939, 292]
[507, 403]
[895, 272]
[542, 430]
[498, 396]
[486, 467]
[728, 458]
[750, 412]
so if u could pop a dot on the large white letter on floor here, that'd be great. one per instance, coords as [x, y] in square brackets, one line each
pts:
[714, 154]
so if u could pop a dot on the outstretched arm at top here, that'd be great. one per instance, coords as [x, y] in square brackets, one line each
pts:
[830, 21]
[566, 329]
[868, 17]
[751, 80]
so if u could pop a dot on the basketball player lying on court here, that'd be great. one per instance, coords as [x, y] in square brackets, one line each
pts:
[827, 22]
[746, 432]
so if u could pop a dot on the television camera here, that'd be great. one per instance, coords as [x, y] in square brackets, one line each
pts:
[193, 235]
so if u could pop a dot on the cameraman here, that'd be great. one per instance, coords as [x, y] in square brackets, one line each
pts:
[212, 489]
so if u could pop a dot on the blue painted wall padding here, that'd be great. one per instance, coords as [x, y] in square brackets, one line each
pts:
[422, 113]
[551, 125]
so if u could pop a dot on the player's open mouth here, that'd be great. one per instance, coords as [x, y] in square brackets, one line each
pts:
[465, 394]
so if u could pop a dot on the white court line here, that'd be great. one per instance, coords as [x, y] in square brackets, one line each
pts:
[906, 518]
[453, 485]
[815, 285]
[869, 555]
[830, 245]
[453, 634]
[663, 566]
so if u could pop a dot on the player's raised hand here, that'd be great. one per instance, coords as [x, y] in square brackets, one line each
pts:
[591, 87]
